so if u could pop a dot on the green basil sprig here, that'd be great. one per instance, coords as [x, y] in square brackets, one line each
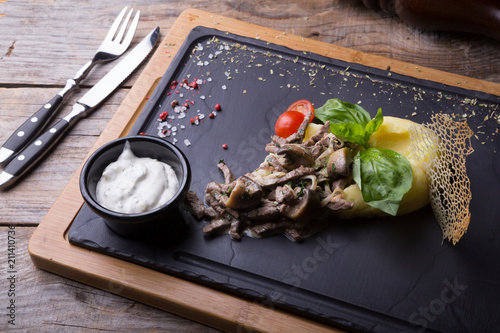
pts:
[383, 176]
[349, 122]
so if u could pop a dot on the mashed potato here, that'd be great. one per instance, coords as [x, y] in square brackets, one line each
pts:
[393, 134]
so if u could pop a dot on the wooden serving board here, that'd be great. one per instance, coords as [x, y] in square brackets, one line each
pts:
[50, 249]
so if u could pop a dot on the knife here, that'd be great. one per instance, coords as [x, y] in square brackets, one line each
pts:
[111, 48]
[30, 155]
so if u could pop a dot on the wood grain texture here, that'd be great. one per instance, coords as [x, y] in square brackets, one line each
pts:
[45, 42]
[50, 303]
[29, 201]
[28, 52]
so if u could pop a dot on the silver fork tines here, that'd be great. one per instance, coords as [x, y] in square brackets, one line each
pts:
[114, 42]
[114, 45]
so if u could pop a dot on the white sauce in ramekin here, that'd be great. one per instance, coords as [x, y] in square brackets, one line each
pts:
[135, 185]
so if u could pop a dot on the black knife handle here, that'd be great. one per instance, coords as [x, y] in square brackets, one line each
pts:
[29, 156]
[32, 126]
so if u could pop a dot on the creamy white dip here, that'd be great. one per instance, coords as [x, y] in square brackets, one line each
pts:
[136, 185]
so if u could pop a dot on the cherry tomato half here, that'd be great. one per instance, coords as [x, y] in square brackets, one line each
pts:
[288, 123]
[303, 106]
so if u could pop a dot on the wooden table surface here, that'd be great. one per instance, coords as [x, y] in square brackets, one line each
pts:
[42, 43]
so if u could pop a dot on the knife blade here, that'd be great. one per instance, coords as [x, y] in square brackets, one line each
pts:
[109, 50]
[29, 156]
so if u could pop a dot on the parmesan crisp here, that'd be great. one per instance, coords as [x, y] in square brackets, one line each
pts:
[442, 147]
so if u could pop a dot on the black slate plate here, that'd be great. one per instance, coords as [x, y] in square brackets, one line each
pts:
[378, 275]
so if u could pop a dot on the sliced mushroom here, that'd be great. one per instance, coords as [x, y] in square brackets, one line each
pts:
[246, 194]
[296, 155]
[339, 163]
[299, 208]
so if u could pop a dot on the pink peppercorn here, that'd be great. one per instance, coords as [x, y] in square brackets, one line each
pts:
[218, 107]
[163, 116]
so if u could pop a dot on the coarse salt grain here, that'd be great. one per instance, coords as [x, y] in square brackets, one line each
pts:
[187, 142]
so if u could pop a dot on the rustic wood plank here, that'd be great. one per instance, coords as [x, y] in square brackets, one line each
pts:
[28, 201]
[30, 55]
[51, 303]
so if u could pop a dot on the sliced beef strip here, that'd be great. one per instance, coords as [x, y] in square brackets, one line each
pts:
[319, 135]
[283, 225]
[320, 146]
[194, 205]
[293, 234]
[270, 228]
[337, 203]
[214, 198]
[272, 161]
[228, 175]
[290, 176]
[302, 128]
[284, 193]
[278, 140]
[218, 225]
[236, 230]
[272, 148]
[264, 212]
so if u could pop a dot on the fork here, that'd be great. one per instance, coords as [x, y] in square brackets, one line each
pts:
[114, 45]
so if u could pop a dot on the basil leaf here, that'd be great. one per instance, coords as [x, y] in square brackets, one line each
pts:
[349, 122]
[374, 124]
[337, 111]
[351, 132]
[383, 176]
